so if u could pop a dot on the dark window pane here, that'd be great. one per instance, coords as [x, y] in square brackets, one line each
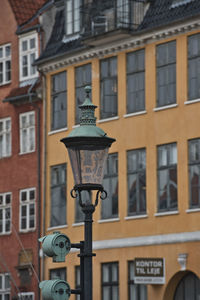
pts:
[58, 195]
[108, 88]
[59, 101]
[167, 177]
[109, 207]
[166, 74]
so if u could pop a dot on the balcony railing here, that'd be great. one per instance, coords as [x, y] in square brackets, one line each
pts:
[100, 16]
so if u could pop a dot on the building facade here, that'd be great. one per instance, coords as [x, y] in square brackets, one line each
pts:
[20, 149]
[142, 60]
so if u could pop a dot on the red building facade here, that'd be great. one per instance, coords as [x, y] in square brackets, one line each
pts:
[20, 149]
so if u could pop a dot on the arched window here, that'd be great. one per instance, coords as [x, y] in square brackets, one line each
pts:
[188, 288]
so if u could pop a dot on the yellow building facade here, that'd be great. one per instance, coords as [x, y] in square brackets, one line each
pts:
[171, 234]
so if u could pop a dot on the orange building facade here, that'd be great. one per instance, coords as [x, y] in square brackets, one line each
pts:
[152, 178]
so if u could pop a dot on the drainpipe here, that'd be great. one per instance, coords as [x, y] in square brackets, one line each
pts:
[38, 137]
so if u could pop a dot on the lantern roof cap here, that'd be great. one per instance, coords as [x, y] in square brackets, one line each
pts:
[87, 128]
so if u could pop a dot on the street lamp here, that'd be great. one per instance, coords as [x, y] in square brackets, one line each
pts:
[87, 147]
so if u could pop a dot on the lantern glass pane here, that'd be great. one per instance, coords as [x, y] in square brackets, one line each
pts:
[88, 165]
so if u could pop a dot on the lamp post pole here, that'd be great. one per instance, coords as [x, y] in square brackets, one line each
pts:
[87, 147]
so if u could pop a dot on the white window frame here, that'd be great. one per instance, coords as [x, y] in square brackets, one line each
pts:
[3, 290]
[4, 60]
[27, 203]
[72, 8]
[26, 296]
[28, 53]
[25, 142]
[4, 206]
[5, 134]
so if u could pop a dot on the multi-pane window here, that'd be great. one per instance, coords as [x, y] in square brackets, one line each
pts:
[110, 281]
[83, 79]
[59, 273]
[5, 64]
[27, 132]
[108, 88]
[4, 286]
[194, 173]
[167, 177]
[5, 137]
[28, 54]
[26, 296]
[59, 101]
[77, 280]
[123, 13]
[193, 67]
[135, 291]
[166, 74]
[72, 24]
[136, 173]
[136, 81]
[109, 207]
[58, 195]
[27, 209]
[5, 213]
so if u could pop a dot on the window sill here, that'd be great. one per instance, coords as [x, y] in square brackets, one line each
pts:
[166, 213]
[5, 233]
[76, 126]
[57, 227]
[192, 101]
[78, 224]
[109, 220]
[27, 230]
[8, 156]
[192, 210]
[135, 114]
[136, 217]
[165, 107]
[108, 119]
[5, 83]
[57, 131]
[24, 153]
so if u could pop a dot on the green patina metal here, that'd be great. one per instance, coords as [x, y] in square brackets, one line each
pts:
[87, 126]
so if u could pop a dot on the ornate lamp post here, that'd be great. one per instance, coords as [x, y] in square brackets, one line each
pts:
[87, 147]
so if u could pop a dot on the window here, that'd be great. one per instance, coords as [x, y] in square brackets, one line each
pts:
[59, 273]
[58, 195]
[194, 173]
[4, 286]
[59, 101]
[166, 74]
[27, 209]
[108, 88]
[167, 177]
[193, 67]
[5, 137]
[109, 207]
[77, 280]
[72, 8]
[136, 167]
[135, 81]
[26, 296]
[5, 213]
[27, 132]
[135, 291]
[83, 79]
[110, 281]
[28, 54]
[5, 64]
